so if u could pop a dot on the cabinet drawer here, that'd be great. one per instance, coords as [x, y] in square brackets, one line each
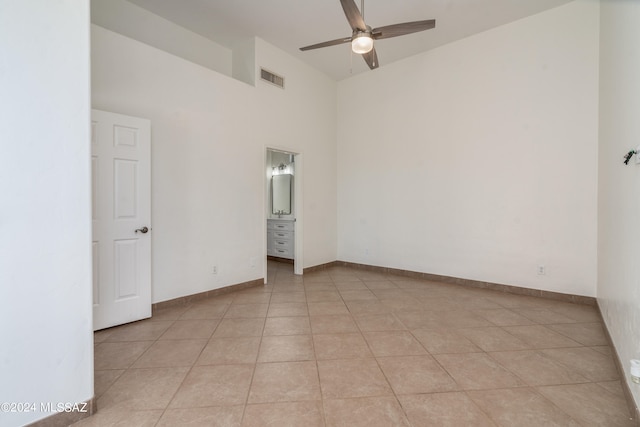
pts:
[282, 244]
[281, 252]
[281, 235]
[273, 235]
[280, 225]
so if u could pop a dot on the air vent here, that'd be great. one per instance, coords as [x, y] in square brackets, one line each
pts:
[272, 78]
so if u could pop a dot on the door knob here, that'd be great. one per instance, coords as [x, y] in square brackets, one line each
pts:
[143, 230]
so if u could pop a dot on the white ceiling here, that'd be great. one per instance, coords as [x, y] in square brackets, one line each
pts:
[291, 24]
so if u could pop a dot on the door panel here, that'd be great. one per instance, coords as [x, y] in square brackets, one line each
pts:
[126, 184]
[125, 136]
[121, 173]
[126, 279]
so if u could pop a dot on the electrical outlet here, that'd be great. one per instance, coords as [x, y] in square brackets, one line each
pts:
[252, 262]
[542, 270]
[214, 269]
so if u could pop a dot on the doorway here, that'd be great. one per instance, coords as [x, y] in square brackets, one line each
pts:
[283, 212]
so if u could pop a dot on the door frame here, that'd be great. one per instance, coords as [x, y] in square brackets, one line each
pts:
[297, 206]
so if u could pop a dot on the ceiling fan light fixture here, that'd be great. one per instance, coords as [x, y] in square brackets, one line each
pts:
[362, 43]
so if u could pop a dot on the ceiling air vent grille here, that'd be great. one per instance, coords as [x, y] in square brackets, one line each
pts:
[272, 78]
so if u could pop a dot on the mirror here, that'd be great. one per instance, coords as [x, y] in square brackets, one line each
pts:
[281, 194]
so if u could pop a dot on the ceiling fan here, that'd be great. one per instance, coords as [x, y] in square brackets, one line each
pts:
[363, 35]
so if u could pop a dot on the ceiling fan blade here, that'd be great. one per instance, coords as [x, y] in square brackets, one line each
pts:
[371, 58]
[402, 29]
[329, 43]
[353, 15]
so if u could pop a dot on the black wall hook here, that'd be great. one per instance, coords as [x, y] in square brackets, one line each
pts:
[628, 156]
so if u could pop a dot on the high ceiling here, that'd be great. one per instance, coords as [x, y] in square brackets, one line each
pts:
[291, 24]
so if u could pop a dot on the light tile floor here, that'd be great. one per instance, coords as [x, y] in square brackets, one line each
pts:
[345, 347]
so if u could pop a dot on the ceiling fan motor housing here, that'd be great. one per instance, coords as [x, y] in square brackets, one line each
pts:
[362, 41]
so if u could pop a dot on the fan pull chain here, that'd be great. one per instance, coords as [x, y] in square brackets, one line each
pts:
[351, 58]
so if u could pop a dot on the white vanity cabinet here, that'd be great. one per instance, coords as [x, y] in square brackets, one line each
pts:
[280, 239]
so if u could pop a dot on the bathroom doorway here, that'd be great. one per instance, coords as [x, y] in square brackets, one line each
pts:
[283, 212]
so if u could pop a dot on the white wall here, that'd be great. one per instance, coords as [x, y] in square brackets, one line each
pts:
[619, 185]
[140, 24]
[244, 61]
[46, 353]
[209, 139]
[478, 159]
[302, 120]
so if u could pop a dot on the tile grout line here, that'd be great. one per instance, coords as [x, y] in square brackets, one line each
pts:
[164, 411]
[190, 305]
[255, 364]
[394, 394]
[130, 366]
[322, 400]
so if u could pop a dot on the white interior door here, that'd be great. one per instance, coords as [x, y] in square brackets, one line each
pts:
[121, 187]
